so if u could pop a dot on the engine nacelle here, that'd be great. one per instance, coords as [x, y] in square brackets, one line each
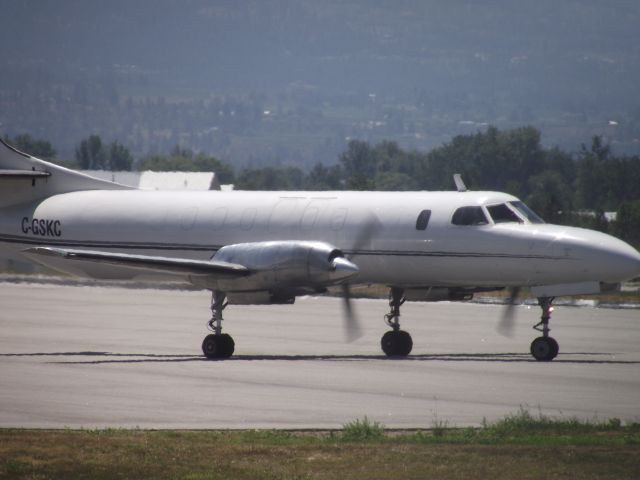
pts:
[284, 266]
[436, 294]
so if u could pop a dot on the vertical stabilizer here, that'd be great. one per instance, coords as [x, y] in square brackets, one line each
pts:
[24, 178]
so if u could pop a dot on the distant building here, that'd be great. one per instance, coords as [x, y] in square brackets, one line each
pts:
[608, 216]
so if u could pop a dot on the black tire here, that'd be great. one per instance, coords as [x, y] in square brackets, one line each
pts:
[406, 343]
[396, 343]
[210, 346]
[228, 345]
[218, 346]
[389, 343]
[544, 349]
[556, 347]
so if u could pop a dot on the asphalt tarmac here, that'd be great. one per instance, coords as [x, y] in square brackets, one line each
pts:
[96, 357]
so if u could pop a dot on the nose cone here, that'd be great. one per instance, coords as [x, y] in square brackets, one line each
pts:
[342, 269]
[612, 258]
[622, 259]
[634, 263]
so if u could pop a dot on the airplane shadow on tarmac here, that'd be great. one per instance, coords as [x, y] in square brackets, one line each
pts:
[115, 358]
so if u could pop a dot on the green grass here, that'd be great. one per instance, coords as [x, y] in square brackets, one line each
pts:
[522, 446]
[362, 431]
[523, 428]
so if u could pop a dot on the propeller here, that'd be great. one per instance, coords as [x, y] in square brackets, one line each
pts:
[352, 328]
[507, 322]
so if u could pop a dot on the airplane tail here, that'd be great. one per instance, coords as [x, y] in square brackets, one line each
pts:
[24, 178]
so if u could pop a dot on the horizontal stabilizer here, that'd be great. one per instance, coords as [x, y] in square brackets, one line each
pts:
[144, 262]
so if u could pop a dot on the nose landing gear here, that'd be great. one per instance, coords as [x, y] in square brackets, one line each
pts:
[544, 348]
[396, 343]
[217, 344]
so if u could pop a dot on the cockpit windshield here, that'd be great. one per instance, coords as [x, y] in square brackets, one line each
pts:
[508, 212]
[503, 214]
[512, 212]
[526, 212]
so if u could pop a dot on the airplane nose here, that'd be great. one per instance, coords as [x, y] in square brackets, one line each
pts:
[342, 269]
[637, 264]
[628, 259]
[618, 260]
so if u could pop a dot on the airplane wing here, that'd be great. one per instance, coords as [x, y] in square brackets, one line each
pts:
[23, 173]
[144, 262]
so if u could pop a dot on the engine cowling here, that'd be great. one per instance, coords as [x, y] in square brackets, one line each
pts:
[284, 266]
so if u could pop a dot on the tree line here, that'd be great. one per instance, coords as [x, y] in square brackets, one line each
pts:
[566, 188]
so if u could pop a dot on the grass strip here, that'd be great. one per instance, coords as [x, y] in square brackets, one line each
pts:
[519, 446]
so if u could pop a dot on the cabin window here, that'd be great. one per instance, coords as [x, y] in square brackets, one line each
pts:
[338, 219]
[189, 217]
[309, 218]
[503, 214]
[423, 220]
[247, 219]
[219, 217]
[283, 214]
[469, 216]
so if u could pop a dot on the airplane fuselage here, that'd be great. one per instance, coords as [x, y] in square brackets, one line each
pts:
[380, 231]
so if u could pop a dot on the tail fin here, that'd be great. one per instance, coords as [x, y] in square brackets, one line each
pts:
[24, 178]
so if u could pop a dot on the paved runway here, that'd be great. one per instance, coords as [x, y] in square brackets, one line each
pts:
[110, 357]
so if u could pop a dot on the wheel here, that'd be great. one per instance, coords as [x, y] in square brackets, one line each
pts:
[556, 347]
[218, 346]
[211, 346]
[389, 343]
[396, 343]
[406, 343]
[228, 345]
[544, 349]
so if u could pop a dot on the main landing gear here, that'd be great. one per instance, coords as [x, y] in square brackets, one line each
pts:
[544, 348]
[217, 344]
[396, 343]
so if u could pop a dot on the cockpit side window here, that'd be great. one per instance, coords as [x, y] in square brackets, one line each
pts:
[469, 216]
[423, 220]
[503, 214]
[526, 212]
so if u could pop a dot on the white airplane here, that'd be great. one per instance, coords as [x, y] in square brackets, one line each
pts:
[270, 247]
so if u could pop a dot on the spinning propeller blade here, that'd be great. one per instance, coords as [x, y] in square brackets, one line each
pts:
[507, 323]
[351, 324]
[352, 328]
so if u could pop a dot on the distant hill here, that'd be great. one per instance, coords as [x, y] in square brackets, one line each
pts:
[281, 81]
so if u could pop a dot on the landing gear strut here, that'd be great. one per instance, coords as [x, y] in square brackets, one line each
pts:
[217, 344]
[544, 348]
[396, 342]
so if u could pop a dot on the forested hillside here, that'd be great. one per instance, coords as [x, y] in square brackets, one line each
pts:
[284, 82]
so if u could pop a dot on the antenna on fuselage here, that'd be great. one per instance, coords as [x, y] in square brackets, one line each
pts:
[457, 178]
